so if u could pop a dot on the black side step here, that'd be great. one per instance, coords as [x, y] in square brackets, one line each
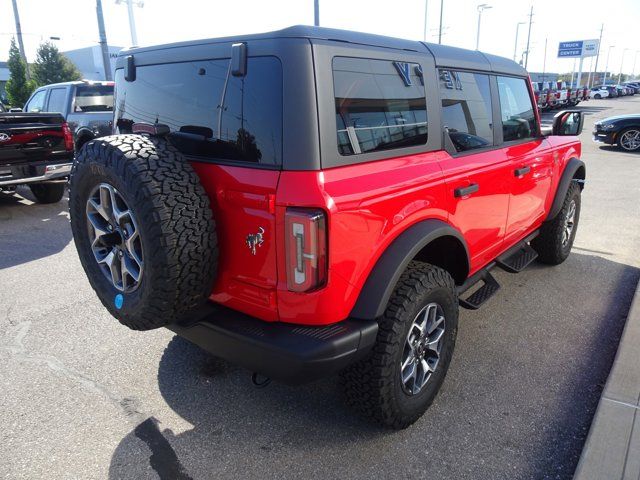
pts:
[484, 293]
[517, 259]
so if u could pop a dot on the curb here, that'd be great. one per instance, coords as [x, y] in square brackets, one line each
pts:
[612, 449]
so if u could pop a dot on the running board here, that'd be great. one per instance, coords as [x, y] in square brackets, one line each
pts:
[485, 292]
[517, 259]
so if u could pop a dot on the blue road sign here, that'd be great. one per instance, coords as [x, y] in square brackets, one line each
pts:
[570, 49]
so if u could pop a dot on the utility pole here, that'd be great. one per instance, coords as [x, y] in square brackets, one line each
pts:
[19, 35]
[440, 29]
[621, 64]
[544, 60]
[132, 20]
[595, 69]
[316, 13]
[481, 8]
[526, 60]
[103, 42]
[606, 66]
[515, 48]
[635, 57]
[426, 8]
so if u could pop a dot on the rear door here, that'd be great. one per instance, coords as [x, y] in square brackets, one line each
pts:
[530, 156]
[477, 170]
[230, 129]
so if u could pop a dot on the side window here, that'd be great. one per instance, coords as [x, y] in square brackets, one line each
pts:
[518, 118]
[208, 111]
[36, 104]
[466, 109]
[380, 105]
[57, 99]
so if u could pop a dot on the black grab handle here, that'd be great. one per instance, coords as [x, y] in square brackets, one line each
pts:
[464, 191]
[521, 171]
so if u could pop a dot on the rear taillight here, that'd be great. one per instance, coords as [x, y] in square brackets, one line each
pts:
[68, 136]
[306, 244]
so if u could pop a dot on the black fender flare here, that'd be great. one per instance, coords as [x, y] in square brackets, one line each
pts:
[568, 175]
[83, 132]
[373, 298]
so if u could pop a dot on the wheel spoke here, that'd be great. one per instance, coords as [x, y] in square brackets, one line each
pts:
[409, 373]
[435, 338]
[436, 324]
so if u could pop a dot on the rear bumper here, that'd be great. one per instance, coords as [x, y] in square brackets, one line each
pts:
[292, 354]
[20, 175]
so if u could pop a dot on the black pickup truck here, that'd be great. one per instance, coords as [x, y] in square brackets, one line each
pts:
[36, 149]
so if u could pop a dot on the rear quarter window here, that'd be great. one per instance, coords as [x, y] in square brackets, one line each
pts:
[209, 112]
[379, 104]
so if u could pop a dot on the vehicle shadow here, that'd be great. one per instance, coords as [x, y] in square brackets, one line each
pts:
[29, 230]
[517, 402]
[616, 149]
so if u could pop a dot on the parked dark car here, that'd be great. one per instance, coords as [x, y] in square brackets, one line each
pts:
[86, 106]
[36, 149]
[623, 130]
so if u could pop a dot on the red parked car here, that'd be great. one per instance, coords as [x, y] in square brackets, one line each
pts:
[314, 201]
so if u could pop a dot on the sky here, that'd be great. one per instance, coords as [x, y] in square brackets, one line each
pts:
[164, 21]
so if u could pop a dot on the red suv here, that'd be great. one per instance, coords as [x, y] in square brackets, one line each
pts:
[313, 201]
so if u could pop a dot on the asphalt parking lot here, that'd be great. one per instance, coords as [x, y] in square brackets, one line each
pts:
[83, 397]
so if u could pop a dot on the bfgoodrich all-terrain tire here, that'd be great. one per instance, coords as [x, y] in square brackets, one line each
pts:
[47, 192]
[402, 374]
[556, 236]
[143, 228]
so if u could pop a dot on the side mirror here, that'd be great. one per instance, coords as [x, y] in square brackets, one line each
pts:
[239, 59]
[15, 110]
[568, 123]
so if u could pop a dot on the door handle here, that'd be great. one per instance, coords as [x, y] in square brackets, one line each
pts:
[464, 191]
[521, 171]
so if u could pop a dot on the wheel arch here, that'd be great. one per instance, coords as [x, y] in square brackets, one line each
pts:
[431, 241]
[82, 136]
[574, 170]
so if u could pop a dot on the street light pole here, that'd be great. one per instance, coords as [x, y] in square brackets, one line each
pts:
[426, 7]
[515, 48]
[103, 42]
[635, 57]
[606, 65]
[526, 60]
[482, 7]
[316, 13]
[440, 29]
[595, 69]
[16, 15]
[132, 20]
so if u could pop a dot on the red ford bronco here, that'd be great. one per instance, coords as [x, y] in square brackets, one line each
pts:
[314, 201]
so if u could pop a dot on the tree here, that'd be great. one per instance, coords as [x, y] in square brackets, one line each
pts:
[51, 66]
[18, 88]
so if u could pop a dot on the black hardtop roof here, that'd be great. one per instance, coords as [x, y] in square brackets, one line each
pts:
[445, 56]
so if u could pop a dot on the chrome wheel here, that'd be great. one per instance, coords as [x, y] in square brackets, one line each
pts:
[422, 348]
[569, 223]
[114, 236]
[630, 140]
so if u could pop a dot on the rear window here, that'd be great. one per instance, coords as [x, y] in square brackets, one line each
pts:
[93, 98]
[380, 105]
[209, 112]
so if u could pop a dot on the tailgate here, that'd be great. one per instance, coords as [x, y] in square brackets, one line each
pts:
[31, 137]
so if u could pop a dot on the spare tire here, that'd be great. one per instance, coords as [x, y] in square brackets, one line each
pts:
[143, 228]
